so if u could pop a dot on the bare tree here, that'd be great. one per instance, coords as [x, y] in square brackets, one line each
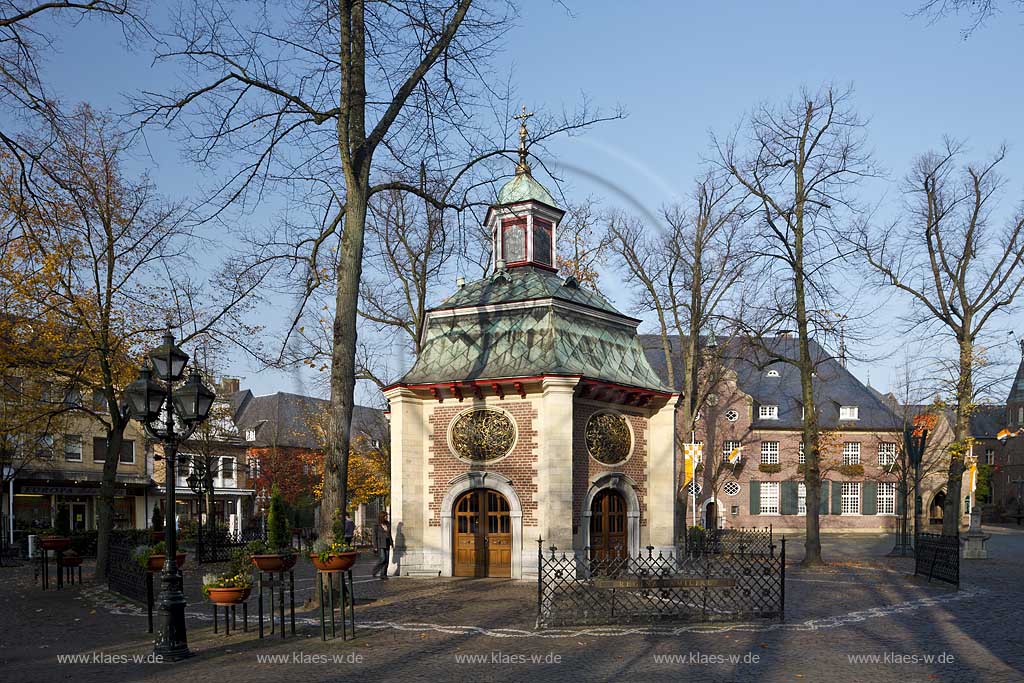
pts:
[335, 102]
[583, 243]
[977, 11]
[798, 161]
[959, 271]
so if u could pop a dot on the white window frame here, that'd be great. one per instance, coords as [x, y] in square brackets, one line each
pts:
[849, 412]
[885, 457]
[127, 462]
[70, 439]
[734, 485]
[226, 473]
[801, 499]
[990, 456]
[850, 499]
[766, 500]
[769, 452]
[886, 501]
[851, 452]
[732, 415]
[772, 373]
[767, 412]
[250, 434]
[801, 457]
[727, 447]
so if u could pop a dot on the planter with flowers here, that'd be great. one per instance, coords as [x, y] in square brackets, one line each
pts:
[333, 556]
[228, 588]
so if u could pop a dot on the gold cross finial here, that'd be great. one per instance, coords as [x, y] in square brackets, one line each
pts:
[522, 166]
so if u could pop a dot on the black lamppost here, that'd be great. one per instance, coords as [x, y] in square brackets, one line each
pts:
[171, 416]
[914, 438]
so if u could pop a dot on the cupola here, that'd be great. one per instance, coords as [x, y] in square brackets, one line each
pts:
[524, 221]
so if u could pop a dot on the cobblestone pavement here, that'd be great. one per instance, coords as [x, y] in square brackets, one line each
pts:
[482, 630]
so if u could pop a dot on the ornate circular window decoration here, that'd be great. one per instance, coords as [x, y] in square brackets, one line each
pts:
[731, 488]
[732, 415]
[694, 488]
[482, 435]
[608, 438]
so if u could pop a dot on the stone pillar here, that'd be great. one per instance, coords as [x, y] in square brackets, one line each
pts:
[554, 461]
[408, 488]
[662, 477]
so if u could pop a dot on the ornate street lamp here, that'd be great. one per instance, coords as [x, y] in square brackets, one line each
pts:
[914, 438]
[169, 416]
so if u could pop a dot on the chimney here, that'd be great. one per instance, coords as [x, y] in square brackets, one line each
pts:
[228, 386]
[460, 282]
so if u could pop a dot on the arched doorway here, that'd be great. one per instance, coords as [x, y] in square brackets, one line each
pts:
[482, 543]
[711, 514]
[608, 536]
[935, 509]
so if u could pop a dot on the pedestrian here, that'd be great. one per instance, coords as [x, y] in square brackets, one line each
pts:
[382, 543]
[350, 529]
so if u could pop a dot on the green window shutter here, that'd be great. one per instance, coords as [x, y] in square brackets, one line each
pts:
[755, 497]
[869, 498]
[787, 505]
[823, 503]
[837, 498]
[901, 503]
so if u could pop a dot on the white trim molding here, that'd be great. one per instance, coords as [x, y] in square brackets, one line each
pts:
[467, 481]
[625, 486]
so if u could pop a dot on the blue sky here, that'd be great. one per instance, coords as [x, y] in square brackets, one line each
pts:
[681, 69]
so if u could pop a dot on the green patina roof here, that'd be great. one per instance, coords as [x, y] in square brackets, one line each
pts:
[527, 342]
[524, 283]
[523, 188]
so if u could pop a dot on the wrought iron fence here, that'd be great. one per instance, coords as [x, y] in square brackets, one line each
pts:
[741, 540]
[938, 557]
[124, 573]
[219, 544]
[679, 586]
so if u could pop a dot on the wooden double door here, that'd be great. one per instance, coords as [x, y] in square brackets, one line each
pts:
[483, 535]
[608, 536]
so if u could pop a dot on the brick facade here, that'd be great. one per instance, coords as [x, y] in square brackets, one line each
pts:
[520, 466]
[586, 468]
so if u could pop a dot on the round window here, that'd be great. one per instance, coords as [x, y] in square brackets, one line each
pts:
[694, 488]
[608, 438]
[731, 488]
[732, 415]
[482, 434]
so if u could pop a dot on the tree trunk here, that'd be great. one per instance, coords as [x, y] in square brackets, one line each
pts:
[961, 432]
[105, 501]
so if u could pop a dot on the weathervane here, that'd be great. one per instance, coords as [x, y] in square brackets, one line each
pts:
[522, 166]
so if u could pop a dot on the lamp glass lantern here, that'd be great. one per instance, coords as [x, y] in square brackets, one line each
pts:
[192, 402]
[145, 397]
[168, 360]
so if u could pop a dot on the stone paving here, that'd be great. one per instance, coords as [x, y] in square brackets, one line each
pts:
[863, 618]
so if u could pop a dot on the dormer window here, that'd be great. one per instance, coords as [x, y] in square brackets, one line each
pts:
[849, 413]
[768, 412]
[250, 434]
[772, 373]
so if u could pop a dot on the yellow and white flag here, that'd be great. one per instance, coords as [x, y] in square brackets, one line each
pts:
[972, 476]
[734, 455]
[692, 455]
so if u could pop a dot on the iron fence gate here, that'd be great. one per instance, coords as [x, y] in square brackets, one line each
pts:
[219, 544]
[124, 573]
[680, 586]
[938, 557]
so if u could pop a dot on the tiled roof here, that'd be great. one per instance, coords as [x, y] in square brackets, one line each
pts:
[284, 419]
[834, 385]
[524, 283]
[523, 187]
[492, 341]
[987, 420]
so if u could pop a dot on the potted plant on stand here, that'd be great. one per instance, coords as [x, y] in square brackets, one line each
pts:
[229, 588]
[276, 555]
[151, 557]
[334, 555]
[58, 538]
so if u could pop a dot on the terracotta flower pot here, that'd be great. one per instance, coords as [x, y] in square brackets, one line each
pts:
[334, 563]
[156, 562]
[54, 542]
[273, 562]
[228, 596]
